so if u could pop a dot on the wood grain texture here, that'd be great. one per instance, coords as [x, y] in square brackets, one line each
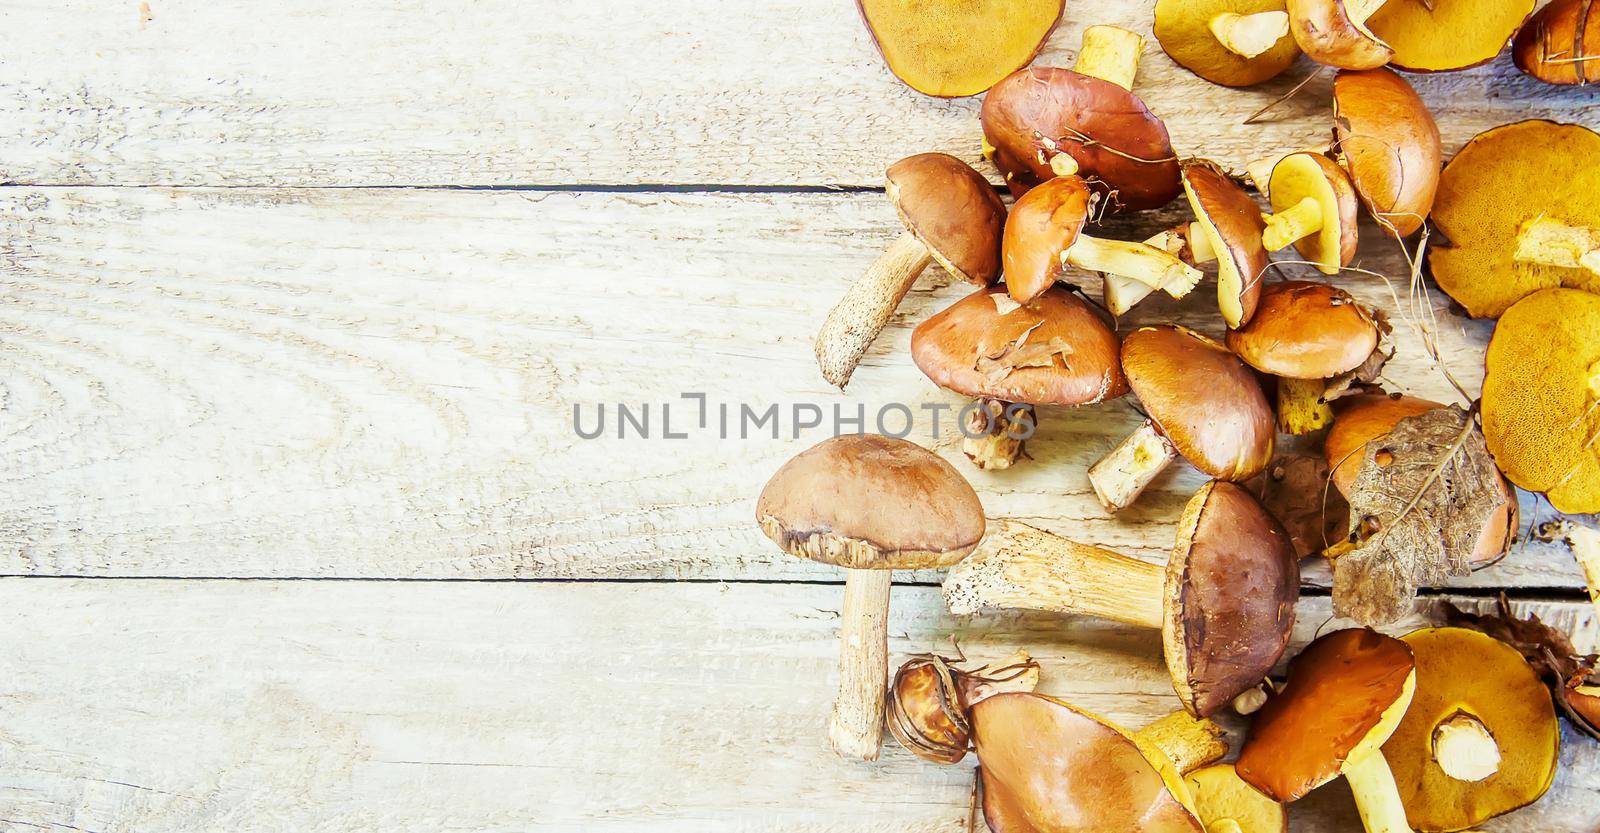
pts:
[338, 706]
[189, 388]
[405, 92]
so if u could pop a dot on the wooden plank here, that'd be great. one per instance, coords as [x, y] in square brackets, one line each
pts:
[189, 390]
[196, 706]
[385, 92]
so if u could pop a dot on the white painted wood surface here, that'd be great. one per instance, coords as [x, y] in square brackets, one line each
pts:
[408, 92]
[330, 706]
[380, 383]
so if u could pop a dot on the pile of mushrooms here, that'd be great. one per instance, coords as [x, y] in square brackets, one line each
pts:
[1439, 729]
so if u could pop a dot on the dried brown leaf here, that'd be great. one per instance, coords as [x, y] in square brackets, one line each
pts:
[1368, 372]
[1417, 508]
[1295, 489]
[1019, 353]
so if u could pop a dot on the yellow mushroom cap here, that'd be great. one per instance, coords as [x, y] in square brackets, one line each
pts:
[1433, 36]
[950, 48]
[1468, 678]
[1183, 27]
[1540, 393]
[1503, 178]
[1221, 796]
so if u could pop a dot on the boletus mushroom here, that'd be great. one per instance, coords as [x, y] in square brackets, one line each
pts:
[1235, 43]
[1045, 233]
[1367, 418]
[1504, 242]
[952, 48]
[1226, 229]
[1053, 351]
[1042, 122]
[1345, 695]
[1541, 397]
[1224, 603]
[869, 504]
[1226, 804]
[1306, 333]
[1439, 36]
[1480, 738]
[1558, 44]
[1389, 143]
[1048, 767]
[1201, 403]
[952, 215]
[1314, 209]
[1334, 32]
[931, 696]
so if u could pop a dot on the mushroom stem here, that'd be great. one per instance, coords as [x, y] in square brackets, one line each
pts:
[866, 307]
[1126, 470]
[1464, 748]
[1300, 406]
[1550, 242]
[997, 433]
[1020, 567]
[856, 728]
[1249, 35]
[1185, 242]
[1377, 798]
[1190, 742]
[1142, 262]
[1302, 219]
[1110, 53]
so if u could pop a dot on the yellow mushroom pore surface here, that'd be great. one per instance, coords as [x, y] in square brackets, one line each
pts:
[1294, 179]
[1479, 702]
[958, 47]
[1541, 397]
[1502, 180]
[1452, 34]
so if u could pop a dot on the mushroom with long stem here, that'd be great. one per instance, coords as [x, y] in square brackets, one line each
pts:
[1043, 122]
[1346, 693]
[1235, 43]
[1053, 351]
[1306, 333]
[1480, 738]
[869, 504]
[951, 215]
[1224, 602]
[1201, 402]
[1314, 209]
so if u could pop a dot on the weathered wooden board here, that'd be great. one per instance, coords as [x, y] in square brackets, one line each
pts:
[188, 388]
[331, 706]
[385, 92]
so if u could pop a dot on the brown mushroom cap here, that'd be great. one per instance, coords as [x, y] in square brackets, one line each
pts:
[1433, 36]
[1339, 689]
[1050, 768]
[1232, 224]
[1466, 672]
[1183, 28]
[1305, 330]
[1043, 223]
[1300, 175]
[867, 501]
[1357, 421]
[949, 49]
[1560, 42]
[1503, 177]
[953, 210]
[1329, 36]
[1054, 351]
[1540, 416]
[1232, 583]
[1389, 143]
[1202, 398]
[1119, 145]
